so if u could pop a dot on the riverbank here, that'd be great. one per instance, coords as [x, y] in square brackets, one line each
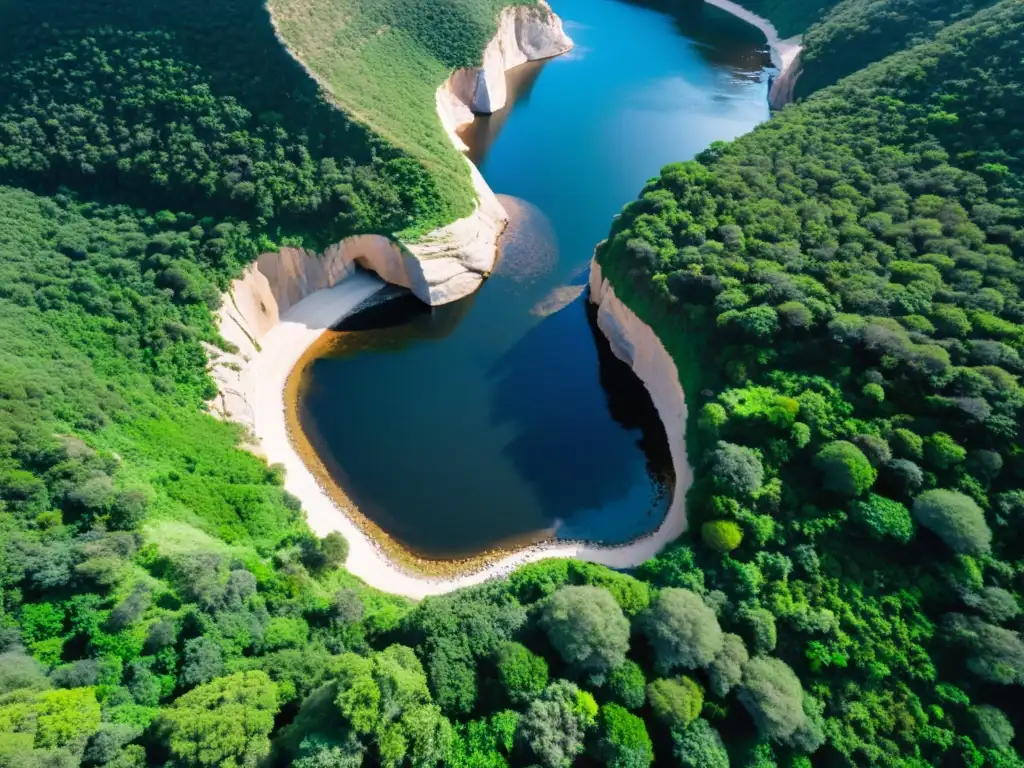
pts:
[785, 53]
[265, 378]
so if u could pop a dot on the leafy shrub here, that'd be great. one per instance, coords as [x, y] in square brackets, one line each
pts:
[954, 518]
[883, 517]
[721, 535]
[845, 469]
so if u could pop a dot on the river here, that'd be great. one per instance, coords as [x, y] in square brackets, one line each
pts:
[503, 418]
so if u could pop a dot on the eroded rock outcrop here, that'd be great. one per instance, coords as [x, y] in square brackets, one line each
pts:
[635, 343]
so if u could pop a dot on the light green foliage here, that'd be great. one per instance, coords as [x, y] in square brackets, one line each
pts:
[773, 696]
[627, 685]
[483, 743]
[554, 726]
[700, 746]
[942, 452]
[623, 740]
[883, 517]
[907, 444]
[52, 719]
[675, 702]
[224, 722]
[721, 535]
[682, 630]
[386, 701]
[726, 669]
[954, 518]
[523, 674]
[712, 417]
[993, 729]
[285, 632]
[40, 621]
[588, 629]
[845, 469]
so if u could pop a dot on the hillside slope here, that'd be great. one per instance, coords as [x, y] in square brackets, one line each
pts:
[842, 292]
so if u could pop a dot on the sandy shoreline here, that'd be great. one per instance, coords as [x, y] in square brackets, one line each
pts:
[303, 324]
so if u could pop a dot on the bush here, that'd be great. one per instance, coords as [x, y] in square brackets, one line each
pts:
[554, 727]
[726, 670]
[627, 685]
[587, 627]
[883, 518]
[942, 452]
[992, 728]
[676, 703]
[773, 696]
[682, 630]
[736, 469]
[845, 468]
[203, 661]
[700, 746]
[721, 535]
[623, 742]
[954, 518]
[523, 674]
[224, 722]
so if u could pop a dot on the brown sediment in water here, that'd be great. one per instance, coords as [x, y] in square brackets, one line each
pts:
[399, 554]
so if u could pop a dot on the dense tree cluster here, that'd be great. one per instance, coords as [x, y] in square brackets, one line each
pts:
[841, 290]
[855, 33]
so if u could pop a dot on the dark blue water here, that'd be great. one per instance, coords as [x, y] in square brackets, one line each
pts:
[503, 418]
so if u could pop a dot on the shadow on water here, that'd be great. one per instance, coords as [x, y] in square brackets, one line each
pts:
[574, 457]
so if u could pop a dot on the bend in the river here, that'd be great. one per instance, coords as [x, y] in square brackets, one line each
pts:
[504, 419]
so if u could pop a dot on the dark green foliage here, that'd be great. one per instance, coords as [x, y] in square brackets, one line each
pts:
[857, 32]
[623, 741]
[992, 728]
[887, 206]
[954, 518]
[736, 469]
[627, 685]
[587, 627]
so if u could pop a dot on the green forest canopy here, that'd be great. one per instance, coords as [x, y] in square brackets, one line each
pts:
[840, 289]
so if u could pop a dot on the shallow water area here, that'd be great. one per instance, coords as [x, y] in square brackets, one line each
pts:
[504, 418]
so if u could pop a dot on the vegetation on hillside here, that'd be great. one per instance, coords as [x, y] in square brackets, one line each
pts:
[383, 61]
[841, 291]
[856, 33]
[196, 106]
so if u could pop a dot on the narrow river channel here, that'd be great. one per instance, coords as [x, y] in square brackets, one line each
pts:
[503, 418]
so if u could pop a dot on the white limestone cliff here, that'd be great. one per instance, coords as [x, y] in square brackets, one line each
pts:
[443, 266]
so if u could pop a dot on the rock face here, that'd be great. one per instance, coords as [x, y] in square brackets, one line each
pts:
[635, 343]
[784, 86]
[525, 33]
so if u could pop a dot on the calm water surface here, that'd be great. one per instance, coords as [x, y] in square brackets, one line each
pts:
[503, 418]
